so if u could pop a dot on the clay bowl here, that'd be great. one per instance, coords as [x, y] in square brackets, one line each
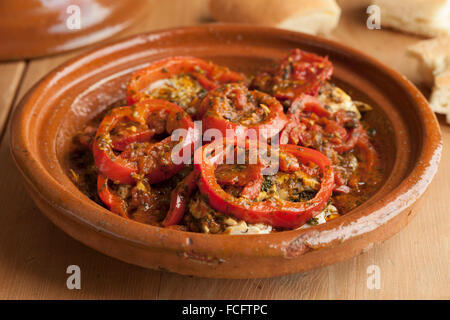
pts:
[32, 28]
[59, 105]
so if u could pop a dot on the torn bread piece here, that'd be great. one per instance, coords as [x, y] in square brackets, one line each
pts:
[434, 56]
[429, 18]
[440, 97]
[309, 16]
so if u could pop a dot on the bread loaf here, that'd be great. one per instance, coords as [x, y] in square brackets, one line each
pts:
[429, 18]
[309, 16]
[434, 57]
[440, 97]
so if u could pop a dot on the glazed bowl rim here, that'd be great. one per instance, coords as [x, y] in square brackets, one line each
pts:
[407, 192]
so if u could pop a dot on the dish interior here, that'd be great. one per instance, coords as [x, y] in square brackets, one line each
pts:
[97, 93]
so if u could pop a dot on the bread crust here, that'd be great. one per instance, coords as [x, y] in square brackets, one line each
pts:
[319, 14]
[440, 97]
[429, 18]
[434, 57]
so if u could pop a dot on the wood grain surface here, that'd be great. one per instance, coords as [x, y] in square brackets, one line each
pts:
[34, 254]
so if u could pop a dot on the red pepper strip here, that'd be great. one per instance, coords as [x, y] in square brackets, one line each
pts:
[292, 131]
[276, 212]
[179, 199]
[289, 163]
[350, 142]
[238, 101]
[240, 175]
[115, 167]
[250, 177]
[120, 168]
[208, 74]
[308, 103]
[370, 153]
[371, 158]
[111, 200]
[298, 73]
[336, 129]
[120, 144]
[353, 135]
[253, 188]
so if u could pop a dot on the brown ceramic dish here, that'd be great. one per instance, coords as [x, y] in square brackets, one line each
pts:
[31, 28]
[69, 96]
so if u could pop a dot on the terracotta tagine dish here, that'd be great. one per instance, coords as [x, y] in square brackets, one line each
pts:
[33, 28]
[46, 120]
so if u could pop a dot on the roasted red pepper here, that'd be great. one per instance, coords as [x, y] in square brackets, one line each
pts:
[179, 199]
[310, 124]
[109, 198]
[249, 177]
[234, 107]
[152, 159]
[295, 130]
[305, 103]
[276, 212]
[121, 143]
[370, 154]
[299, 73]
[197, 77]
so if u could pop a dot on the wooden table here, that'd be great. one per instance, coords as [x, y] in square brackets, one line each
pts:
[34, 254]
